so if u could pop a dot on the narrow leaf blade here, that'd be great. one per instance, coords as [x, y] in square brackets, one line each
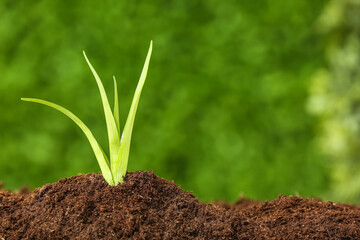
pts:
[113, 134]
[116, 106]
[120, 166]
[99, 153]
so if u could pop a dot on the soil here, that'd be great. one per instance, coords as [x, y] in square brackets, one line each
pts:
[148, 207]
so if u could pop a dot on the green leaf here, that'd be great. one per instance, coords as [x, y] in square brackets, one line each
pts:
[113, 134]
[120, 166]
[116, 106]
[99, 153]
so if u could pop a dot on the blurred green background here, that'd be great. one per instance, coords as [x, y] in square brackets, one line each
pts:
[258, 98]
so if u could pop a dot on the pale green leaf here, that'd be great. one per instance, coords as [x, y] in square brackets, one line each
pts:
[99, 153]
[116, 106]
[119, 169]
[113, 134]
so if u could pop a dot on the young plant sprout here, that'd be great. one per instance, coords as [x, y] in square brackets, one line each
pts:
[119, 144]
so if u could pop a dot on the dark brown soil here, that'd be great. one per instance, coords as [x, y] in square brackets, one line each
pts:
[241, 204]
[148, 207]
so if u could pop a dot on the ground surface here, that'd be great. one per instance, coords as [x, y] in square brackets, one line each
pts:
[148, 207]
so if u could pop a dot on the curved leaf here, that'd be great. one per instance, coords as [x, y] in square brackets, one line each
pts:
[99, 153]
[113, 134]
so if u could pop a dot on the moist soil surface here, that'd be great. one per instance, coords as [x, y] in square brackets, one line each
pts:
[148, 207]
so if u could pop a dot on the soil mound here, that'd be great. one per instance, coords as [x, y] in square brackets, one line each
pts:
[86, 207]
[148, 207]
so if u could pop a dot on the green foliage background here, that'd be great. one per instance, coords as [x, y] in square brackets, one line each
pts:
[224, 111]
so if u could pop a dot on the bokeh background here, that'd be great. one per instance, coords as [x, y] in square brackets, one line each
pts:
[258, 98]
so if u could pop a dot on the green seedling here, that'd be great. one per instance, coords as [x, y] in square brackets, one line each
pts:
[119, 144]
